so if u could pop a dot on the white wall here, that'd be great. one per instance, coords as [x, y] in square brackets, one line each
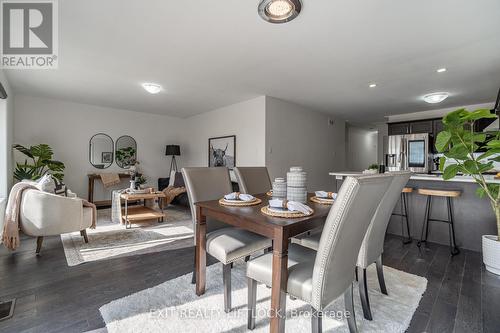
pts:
[6, 137]
[246, 120]
[361, 148]
[296, 136]
[67, 128]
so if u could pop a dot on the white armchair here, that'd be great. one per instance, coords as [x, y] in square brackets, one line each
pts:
[45, 214]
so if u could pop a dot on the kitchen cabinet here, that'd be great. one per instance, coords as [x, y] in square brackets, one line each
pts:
[424, 126]
[399, 128]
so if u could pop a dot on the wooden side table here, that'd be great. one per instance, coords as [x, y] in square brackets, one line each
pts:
[138, 214]
[92, 178]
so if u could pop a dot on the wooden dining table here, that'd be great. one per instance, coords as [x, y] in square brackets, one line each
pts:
[280, 230]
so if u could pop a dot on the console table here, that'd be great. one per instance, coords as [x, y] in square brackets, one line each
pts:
[92, 178]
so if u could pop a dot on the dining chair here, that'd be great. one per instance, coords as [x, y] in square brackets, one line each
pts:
[253, 180]
[320, 277]
[226, 244]
[373, 243]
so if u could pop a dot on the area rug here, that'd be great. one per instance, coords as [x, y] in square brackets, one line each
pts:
[173, 306]
[111, 240]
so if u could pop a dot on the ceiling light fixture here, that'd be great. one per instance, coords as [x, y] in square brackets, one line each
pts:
[372, 85]
[279, 11]
[152, 88]
[436, 97]
[441, 70]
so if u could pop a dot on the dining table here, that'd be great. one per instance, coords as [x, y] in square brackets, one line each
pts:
[279, 229]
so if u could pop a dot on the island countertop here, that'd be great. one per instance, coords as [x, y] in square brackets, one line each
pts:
[473, 216]
[420, 176]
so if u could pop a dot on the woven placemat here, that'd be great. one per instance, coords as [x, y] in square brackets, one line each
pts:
[254, 202]
[265, 210]
[322, 201]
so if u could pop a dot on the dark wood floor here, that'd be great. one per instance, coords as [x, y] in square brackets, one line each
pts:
[52, 297]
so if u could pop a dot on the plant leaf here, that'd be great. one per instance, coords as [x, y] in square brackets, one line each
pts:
[450, 171]
[24, 150]
[459, 152]
[479, 114]
[443, 141]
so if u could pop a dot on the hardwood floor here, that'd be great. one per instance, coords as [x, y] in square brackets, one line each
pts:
[52, 297]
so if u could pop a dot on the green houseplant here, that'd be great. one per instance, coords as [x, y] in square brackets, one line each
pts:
[126, 157]
[41, 163]
[459, 145]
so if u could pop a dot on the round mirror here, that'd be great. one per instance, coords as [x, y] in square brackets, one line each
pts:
[101, 151]
[125, 151]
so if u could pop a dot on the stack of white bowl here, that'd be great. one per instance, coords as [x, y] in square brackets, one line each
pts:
[279, 188]
[296, 185]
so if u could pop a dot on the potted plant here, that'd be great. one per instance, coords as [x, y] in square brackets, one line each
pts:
[40, 164]
[460, 144]
[372, 169]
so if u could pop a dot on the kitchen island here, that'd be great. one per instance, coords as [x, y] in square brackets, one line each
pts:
[473, 216]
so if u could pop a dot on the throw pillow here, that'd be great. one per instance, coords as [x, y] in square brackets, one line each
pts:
[60, 188]
[179, 180]
[46, 184]
[52, 185]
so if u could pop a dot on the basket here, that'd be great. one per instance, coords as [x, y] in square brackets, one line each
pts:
[254, 202]
[322, 201]
[265, 210]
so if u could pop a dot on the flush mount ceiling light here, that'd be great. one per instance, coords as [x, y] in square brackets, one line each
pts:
[441, 70]
[152, 88]
[372, 85]
[436, 97]
[279, 11]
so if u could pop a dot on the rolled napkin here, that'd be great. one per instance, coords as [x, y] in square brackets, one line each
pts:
[293, 206]
[326, 195]
[239, 196]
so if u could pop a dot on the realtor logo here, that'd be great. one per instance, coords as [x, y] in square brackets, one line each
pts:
[29, 34]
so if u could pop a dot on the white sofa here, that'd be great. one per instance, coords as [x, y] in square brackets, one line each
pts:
[45, 214]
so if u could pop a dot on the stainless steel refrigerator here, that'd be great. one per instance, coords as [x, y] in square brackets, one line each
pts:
[408, 152]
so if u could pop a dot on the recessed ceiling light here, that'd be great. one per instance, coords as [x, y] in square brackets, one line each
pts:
[152, 88]
[279, 11]
[436, 97]
[441, 70]
[372, 85]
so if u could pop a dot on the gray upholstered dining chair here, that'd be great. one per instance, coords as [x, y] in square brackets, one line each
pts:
[373, 244]
[319, 278]
[227, 244]
[253, 180]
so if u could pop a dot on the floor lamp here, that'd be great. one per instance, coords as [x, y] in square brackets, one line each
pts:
[173, 150]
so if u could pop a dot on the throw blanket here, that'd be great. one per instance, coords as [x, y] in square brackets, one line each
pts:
[109, 179]
[10, 236]
[170, 193]
[116, 206]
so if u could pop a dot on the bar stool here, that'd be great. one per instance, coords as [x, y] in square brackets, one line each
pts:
[403, 212]
[449, 195]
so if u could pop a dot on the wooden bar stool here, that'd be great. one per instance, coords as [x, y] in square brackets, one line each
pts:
[403, 212]
[449, 195]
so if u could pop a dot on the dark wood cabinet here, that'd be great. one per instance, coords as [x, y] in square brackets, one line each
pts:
[438, 126]
[399, 128]
[424, 126]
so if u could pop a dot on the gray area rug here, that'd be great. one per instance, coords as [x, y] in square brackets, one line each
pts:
[111, 240]
[174, 307]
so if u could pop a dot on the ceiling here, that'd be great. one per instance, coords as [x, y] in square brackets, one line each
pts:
[209, 54]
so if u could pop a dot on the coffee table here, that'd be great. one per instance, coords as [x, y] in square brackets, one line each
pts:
[138, 214]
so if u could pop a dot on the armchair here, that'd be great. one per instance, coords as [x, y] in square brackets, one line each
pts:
[45, 214]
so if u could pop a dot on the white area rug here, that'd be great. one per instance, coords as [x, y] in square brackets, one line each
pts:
[173, 306]
[111, 240]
